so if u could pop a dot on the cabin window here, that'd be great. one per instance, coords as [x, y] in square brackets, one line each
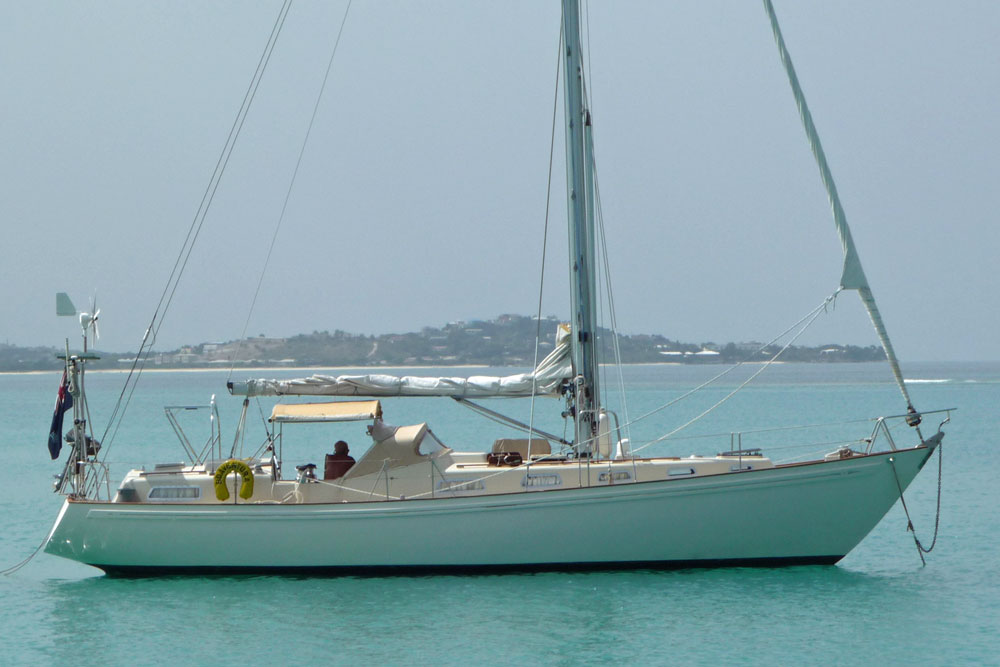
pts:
[677, 472]
[461, 485]
[534, 481]
[614, 476]
[174, 493]
[736, 468]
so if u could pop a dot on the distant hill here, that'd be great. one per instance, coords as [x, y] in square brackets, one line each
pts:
[508, 340]
[14, 358]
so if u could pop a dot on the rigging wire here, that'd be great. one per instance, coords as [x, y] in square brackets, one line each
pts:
[194, 230]
[612, 309]
[614, 335]
[776, 429]
[545, 238]
[822, 307]
[288, 194]
[811, 318]
[599, 217]
[590, 67]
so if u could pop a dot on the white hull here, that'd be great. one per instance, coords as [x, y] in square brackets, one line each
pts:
[807, 513]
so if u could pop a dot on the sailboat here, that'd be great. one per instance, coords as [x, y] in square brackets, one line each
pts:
[411, 503]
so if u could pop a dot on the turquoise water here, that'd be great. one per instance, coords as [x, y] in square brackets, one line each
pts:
[878, 604]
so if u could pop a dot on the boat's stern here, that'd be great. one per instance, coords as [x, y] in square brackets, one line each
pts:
[59, 542]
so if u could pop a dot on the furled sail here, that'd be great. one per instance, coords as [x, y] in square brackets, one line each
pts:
[544, 380]
[853, 276]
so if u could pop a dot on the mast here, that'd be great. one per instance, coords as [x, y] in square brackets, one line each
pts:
[582, 264]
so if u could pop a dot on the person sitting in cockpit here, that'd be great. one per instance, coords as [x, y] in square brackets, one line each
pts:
[339, 462]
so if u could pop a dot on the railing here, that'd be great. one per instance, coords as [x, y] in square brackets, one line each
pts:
[882, 427]
[95, 474]
[771, 439]
[215, 436]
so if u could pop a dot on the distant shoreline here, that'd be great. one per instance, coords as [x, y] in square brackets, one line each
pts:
[507, 341]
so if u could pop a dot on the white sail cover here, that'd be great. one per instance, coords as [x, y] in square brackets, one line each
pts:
[546, 380]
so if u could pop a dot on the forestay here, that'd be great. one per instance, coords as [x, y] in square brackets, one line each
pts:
[853, 276]
[545, 380]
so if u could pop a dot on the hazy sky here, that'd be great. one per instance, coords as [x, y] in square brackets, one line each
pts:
[421, 196]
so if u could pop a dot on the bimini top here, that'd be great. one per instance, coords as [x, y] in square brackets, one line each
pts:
[334, 411]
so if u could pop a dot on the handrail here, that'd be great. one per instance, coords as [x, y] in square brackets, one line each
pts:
[215, 430]
[920, 413]
[95, 473]
[880, 425]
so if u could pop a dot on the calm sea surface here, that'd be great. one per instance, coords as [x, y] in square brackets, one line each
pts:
[877, 606]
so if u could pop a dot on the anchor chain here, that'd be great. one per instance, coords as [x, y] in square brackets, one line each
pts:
[14, 568]
[921, 549]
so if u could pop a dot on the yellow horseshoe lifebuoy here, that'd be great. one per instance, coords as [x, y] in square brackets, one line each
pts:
[239, 467]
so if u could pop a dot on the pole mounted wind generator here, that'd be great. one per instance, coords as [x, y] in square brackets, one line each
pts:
[88, 320]
[81, 466]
